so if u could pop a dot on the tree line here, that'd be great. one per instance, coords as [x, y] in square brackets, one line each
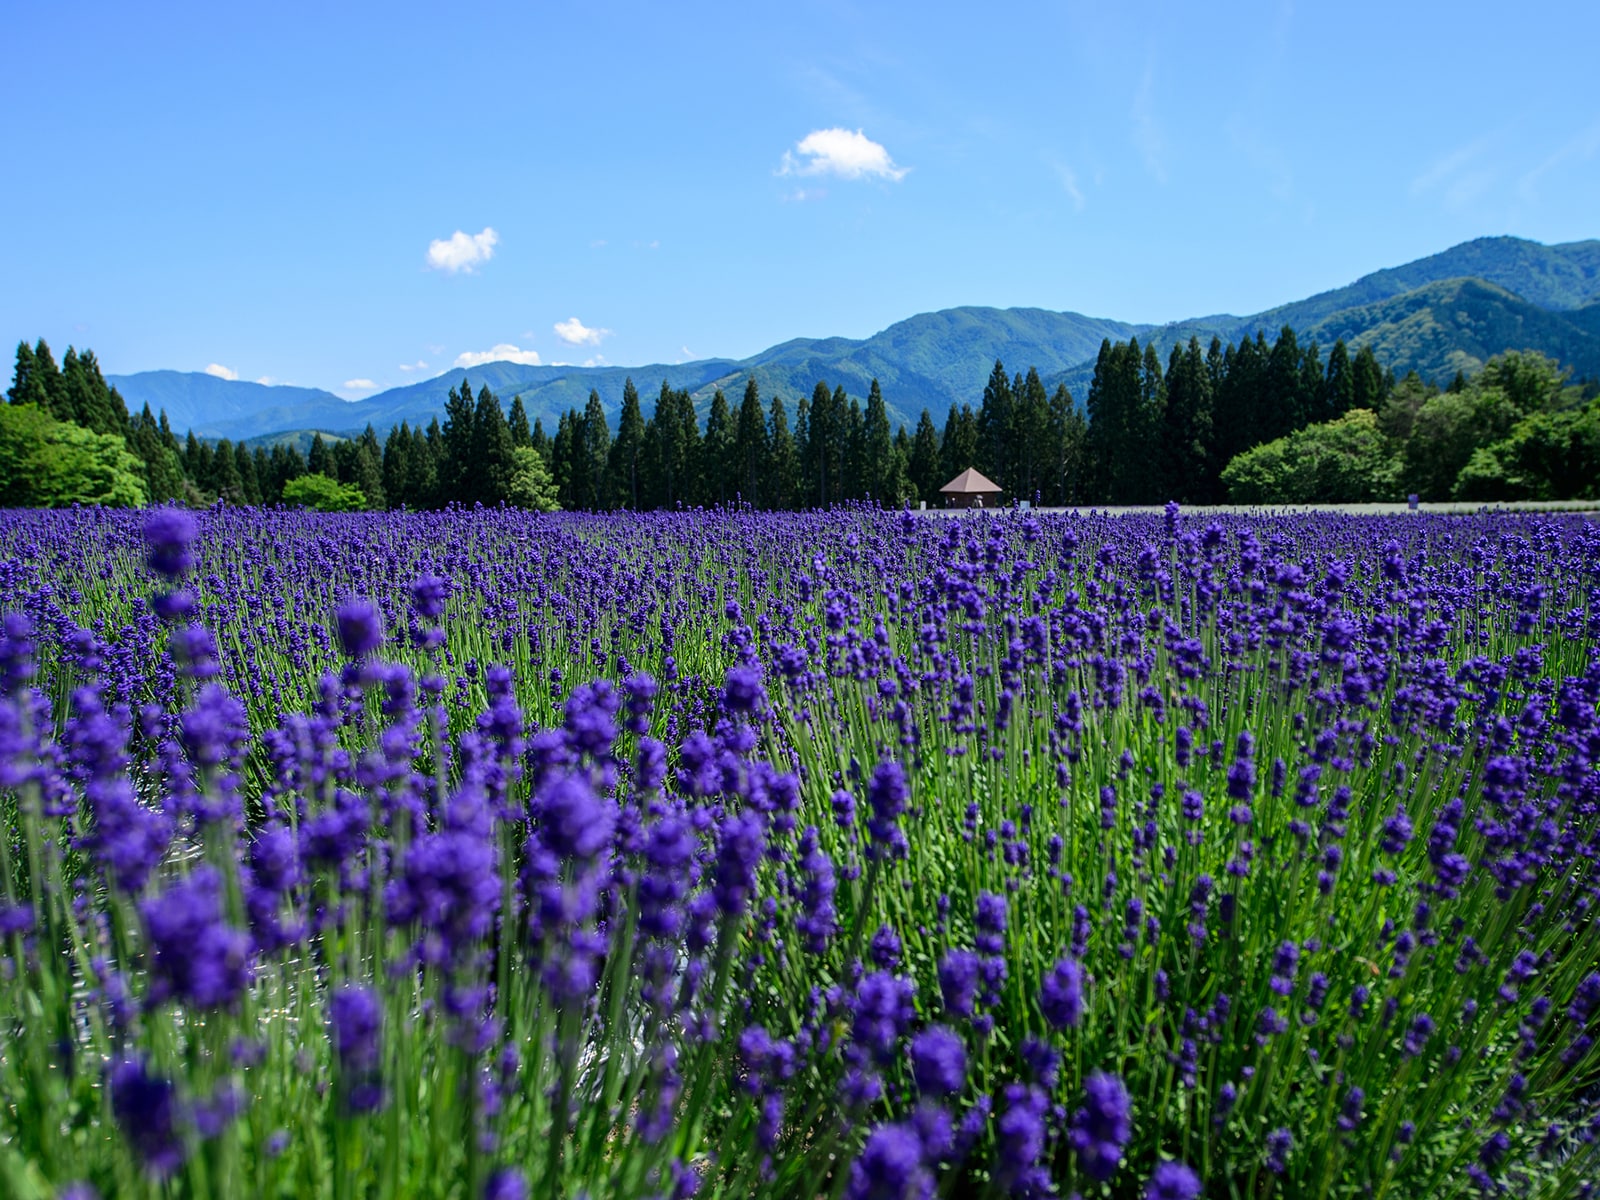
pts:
[1147, 433]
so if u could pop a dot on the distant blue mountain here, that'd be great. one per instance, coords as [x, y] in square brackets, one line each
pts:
[1436, 315]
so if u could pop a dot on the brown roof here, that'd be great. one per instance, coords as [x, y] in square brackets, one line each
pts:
[969, 483]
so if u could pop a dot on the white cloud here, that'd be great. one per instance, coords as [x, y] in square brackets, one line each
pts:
[599, 360]
[687, 353]
[1147, 135]
[840, 152]
[575, 333]
[221, 372]
[1069, 183]
[265, 381]
[504, 352]
[359, 385]
[419, 365]
[462, 251]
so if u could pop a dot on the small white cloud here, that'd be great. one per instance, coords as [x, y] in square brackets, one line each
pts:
[504, 352]
[1069, 183]
[575, 333]
[462, 251]
[687, 353]
[840, 152]
[1147, 135]
[599, 360]
[597, 243]
[221, 372]
[419, 365]
[801, 195]
[359, 385]
[265, 381]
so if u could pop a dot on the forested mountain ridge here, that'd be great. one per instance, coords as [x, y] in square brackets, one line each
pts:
[1447, 312]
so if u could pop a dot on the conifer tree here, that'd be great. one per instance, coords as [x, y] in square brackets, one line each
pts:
[822, 446]
[750, 446]
[422, 471]
[1338, 383]
[38, 381]
[319, 461]
[852, 459]
[716, 453]
[995, 419]
[782, 469]
[959, 448]
[223, 481]
[455, 458]
[596, 450]
[1030, 435]
[880, 473]
[565, 468]
[244, 465]
[397, 466]
[493, 460]
[1368, 385]
[627, 450]
[517, 422]
[923, 464]
[1186, 434]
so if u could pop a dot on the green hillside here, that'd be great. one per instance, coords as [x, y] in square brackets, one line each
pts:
[1447, 312]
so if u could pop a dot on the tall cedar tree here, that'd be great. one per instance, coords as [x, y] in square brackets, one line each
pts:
[750, 446]
[995, 415]
[455, 460]
[716, 453]
[517, 422]
[595, 446]
[1186, 427]
[782, 471]
[493, 457]
[923, 465]
[879, 469]
[627, 451]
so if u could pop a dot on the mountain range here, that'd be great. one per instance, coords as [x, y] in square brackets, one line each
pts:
[1447, 312]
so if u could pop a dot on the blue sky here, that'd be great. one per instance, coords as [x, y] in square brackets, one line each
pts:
[353, 196]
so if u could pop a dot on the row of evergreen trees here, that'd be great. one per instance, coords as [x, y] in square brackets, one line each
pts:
[1146, 434]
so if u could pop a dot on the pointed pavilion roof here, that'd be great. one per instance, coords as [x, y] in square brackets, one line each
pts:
[969, 483]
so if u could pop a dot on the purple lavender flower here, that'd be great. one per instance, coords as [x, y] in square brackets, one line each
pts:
[887, 794]
[742, 691]
[354, 1022]
[1061, 994]
[1173, 1180]
[146, 1109]
[1102, 1127]
[939, 1061]
[958, 981]
[360, 627]
[884, 1006]
[196, 957]
[574, 822]
[890, 1167]
[169, 534]
[506, 1183]
[1020, 1142]
[1279, 1143]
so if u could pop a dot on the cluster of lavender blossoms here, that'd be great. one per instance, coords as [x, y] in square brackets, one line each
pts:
[492, 854]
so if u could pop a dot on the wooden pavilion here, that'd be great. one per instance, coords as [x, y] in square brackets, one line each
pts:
[970, 489]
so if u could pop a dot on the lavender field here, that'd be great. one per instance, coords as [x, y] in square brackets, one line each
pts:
[491, 854]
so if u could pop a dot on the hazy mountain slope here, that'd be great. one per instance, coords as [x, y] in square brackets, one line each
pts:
[1457, 324]
[1448, 311]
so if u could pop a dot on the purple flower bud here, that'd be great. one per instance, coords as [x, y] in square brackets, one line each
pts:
[360, 627]
[939, 1061]
[168, 535]
[1173, 1181]
[1061, 994]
